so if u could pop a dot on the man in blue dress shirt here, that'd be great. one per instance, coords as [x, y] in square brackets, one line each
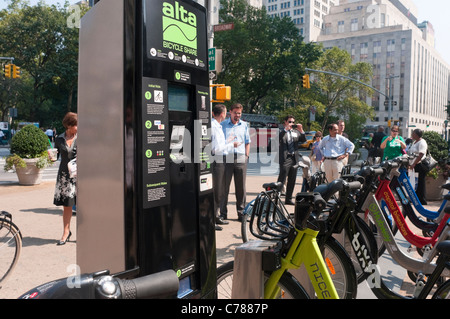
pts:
[335, 149]
[236, 161]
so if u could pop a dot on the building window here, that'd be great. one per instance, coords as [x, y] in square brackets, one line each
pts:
[341, 26]
[364, 50]
[354, 25]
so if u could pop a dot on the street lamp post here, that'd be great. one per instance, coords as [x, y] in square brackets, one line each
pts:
[390, 96]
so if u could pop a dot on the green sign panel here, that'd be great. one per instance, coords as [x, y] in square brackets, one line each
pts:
[212, 59]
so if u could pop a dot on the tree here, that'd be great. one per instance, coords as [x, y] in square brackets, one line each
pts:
[340, 96]
[263, 57]
[46, 49]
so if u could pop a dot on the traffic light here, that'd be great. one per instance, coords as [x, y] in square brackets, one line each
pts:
[223, 93]
[305, 82]
[8, 71]
[16, 72]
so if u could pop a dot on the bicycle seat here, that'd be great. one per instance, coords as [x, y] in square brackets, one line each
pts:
[328, 190]
[444, 247]
[446, 186]
[278, 186]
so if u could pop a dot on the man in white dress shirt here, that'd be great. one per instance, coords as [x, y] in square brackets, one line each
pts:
[220, 148]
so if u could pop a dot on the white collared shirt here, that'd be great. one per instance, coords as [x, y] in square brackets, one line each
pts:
[219, 144]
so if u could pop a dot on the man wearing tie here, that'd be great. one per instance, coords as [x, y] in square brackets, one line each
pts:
[289, 138]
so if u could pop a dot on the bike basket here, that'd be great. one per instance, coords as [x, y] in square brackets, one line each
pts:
[269, 219]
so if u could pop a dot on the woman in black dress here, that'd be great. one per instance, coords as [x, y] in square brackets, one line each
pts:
[65, 189]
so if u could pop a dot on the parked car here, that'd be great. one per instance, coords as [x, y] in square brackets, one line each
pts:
[309, 140]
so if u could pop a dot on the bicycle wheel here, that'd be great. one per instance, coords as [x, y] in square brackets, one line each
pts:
[290, 288]
[10, 247]
[341, 269]
[443, 292]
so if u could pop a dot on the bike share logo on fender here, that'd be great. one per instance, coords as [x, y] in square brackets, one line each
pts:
[179, 28]
[365, 261]
[378, 218]
[394, 212]
[410, 191]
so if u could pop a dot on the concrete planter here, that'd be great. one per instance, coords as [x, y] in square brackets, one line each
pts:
[433, 190]
[30, 175]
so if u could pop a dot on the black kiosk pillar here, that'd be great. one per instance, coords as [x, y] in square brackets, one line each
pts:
[145, 201]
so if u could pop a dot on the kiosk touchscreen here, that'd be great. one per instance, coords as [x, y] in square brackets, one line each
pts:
[145, 200]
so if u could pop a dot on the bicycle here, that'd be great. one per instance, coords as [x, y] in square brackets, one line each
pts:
[369, 204]
[406, 183]
[385, 194]
[269, 203]
[101, 285]
[10, 245]
[296, 245]
[270, 199]
[429, 227]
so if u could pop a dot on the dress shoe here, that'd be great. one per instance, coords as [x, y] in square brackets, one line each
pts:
[63, 242]
[289, 202]
[218, 227]
[221, 221]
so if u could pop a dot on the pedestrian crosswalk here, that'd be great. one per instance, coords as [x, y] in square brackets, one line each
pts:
[49, 173]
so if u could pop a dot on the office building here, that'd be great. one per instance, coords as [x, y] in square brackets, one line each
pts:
[386, 34]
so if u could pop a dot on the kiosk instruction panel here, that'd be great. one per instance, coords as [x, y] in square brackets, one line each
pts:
[155, 118]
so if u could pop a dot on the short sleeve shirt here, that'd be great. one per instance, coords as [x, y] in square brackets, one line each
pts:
[393, 148]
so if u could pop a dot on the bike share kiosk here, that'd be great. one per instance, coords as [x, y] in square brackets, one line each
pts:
[145, 200]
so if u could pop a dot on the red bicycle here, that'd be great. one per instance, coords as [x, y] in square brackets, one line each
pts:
[387, 199]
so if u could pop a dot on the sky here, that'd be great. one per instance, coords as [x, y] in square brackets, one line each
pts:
[431, 10]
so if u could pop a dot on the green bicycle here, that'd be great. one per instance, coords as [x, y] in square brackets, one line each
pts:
[296, 246]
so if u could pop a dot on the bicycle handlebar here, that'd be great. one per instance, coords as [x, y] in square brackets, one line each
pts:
[354, 185]
[319, 202]
[161, 284]
[101, 285]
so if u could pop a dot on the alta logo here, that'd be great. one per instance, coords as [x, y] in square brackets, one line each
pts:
[179, 25]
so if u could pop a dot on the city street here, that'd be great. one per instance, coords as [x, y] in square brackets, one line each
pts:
[40, 222]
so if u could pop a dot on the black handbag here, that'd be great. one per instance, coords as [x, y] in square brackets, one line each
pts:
[429, 162]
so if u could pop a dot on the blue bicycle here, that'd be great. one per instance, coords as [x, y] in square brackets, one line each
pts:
[406, 183]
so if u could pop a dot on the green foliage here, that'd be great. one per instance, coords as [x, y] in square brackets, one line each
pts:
[263, 57]
[339, 96]
[438, 148]
[29, 142]
[46, 50]
[14, 161]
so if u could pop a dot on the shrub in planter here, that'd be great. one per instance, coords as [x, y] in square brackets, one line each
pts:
[30, 142]
[438, 148]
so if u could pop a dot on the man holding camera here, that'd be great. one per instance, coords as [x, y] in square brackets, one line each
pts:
[289, 138]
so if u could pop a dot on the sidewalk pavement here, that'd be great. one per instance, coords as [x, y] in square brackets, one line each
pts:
[40, 223]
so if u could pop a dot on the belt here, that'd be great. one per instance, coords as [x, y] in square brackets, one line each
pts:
[331, 158]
